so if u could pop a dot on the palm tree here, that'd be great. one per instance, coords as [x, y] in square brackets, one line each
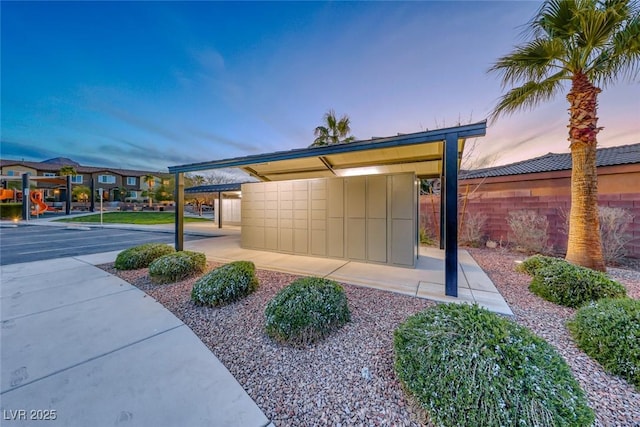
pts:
[333, 131]
[67, 170]
[587, 43]
[150, 180]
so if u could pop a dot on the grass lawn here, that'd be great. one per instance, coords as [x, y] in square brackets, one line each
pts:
[148, 218]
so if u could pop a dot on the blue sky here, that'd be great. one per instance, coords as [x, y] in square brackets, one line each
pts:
[146, 85]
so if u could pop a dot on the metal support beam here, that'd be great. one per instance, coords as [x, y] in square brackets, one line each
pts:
[92, 206]
[327, 164]
[179, 219]
[451, 215]
[26, 207]
[219, 213]
[67, 205]
[442, 199]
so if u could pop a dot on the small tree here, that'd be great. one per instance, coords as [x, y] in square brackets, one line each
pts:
[150, 180]
[81, 193]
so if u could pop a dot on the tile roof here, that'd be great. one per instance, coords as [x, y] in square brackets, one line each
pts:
[55, 167]
[609, 156]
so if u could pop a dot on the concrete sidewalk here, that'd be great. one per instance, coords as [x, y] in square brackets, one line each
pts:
[88, 349]
[426, 280]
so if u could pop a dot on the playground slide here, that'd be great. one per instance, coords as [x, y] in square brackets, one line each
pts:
[38, 205]
[6, 194]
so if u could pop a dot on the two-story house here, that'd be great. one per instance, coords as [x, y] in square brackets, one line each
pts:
[117, 184]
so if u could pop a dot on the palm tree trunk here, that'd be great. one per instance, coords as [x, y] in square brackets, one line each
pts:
[584, 246]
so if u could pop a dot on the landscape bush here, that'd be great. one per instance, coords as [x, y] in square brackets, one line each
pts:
[11, 210]
[528, 231]
[572, 286]
[225, 284]
[609, 332]
[467, 366]
[614, 232]
[534, 263]
[306, 311]
[141, 256]
[177, 266]
[472, 229]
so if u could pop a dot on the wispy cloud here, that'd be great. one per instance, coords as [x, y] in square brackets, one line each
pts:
[26, 151]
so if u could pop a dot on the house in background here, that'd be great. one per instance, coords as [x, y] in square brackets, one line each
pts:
[113, 181]
[543, 184]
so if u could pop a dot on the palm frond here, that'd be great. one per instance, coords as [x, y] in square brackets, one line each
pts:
[528, 95]
[619, 58]
[533, 61]
[321, 131]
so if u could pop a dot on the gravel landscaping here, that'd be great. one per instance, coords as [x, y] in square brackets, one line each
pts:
[348, 379]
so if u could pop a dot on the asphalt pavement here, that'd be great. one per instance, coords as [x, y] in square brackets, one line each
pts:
[26, 243]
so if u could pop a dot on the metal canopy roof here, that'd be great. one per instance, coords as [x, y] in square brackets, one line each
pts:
[420, 152]
[214, 188]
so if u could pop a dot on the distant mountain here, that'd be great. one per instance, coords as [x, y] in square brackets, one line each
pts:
[62, 161]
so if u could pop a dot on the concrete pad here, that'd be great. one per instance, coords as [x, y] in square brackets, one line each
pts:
[100, 258]
[20, 303]
[476, 277]
[395, 279]
[492, 301]
[33, 278]
[8, 272]
[42, 344]
[170, 379]
[436, 292]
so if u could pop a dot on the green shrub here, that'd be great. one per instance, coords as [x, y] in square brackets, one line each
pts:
[469, 367]
[141, 256]
[532, 264]
[177, 266]
[225, 284]
[11, 210]
[307, 310]
[572, 286]
[609, 331]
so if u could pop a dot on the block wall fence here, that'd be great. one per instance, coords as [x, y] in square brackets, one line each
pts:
[500, 203]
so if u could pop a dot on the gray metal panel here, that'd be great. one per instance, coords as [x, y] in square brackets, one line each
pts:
[377, 196]
[377, 239]
[319, 242]
[356, 187]
[318, 217]
[402, 238]
[402, 196]
[271, 238]
[286, 239]
[335, 198]
[301, 240]
[335, 241]
[356, 238]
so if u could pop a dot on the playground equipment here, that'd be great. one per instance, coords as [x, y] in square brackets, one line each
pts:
[6, 194]
[39, 206]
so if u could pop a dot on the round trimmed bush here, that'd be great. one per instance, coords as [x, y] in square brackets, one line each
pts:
[307, 310]
[572, 286]
[177, 266]
[141, 256]
[532, 264]
[225, 284]
[467, 366]
[609, 332]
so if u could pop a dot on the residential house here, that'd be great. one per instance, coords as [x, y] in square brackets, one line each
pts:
[113, 181]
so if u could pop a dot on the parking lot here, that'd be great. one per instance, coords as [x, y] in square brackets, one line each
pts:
[26, 243]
